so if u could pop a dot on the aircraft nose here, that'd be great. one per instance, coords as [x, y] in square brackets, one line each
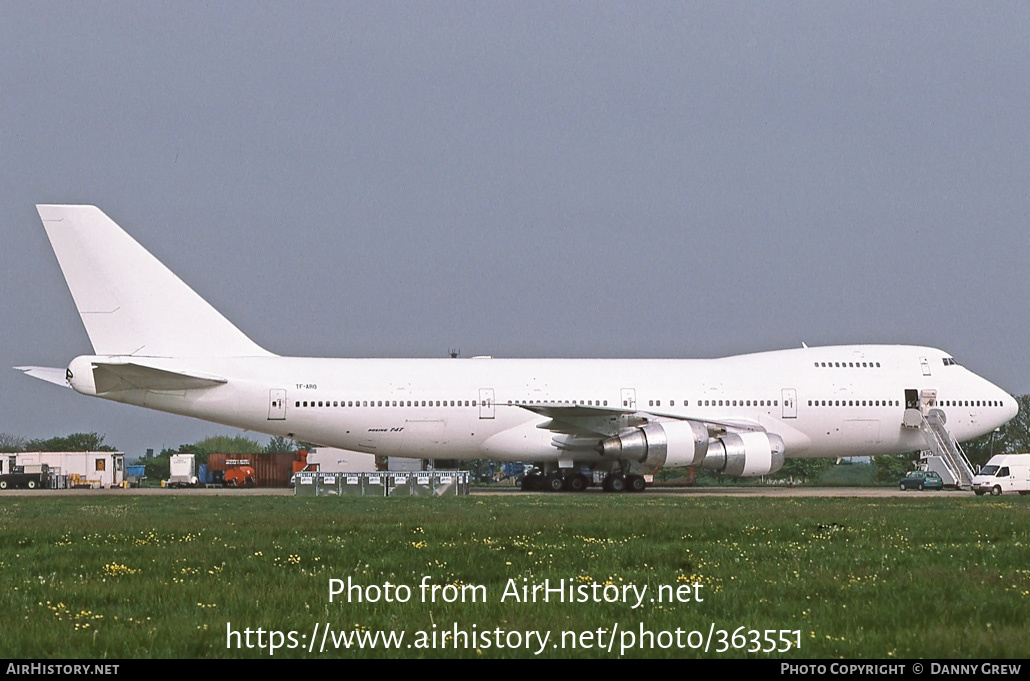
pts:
[1011, 406]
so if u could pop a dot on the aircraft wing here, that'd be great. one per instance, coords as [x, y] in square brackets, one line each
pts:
[579, 427]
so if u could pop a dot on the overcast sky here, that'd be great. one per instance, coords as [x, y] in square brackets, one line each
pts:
[530, 179]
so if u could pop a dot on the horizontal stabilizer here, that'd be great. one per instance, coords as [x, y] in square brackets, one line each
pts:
[130, 376]
[48, 374]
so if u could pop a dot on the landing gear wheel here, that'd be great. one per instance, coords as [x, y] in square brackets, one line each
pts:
[996, 491]
[554, 482]
[636, 483]
[575, 483]
[615, 483]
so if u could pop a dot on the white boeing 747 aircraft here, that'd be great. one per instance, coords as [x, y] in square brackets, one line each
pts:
[157, 344]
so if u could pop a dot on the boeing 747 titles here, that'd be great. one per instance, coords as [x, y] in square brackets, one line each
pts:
[159, 345]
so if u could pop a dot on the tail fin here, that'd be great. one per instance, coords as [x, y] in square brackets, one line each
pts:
[130, 303]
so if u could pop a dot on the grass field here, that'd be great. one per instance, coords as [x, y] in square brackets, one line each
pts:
[132, 577]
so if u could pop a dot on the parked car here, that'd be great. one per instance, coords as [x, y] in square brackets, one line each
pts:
[921, 480]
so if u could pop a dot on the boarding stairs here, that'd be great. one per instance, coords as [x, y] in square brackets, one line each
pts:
[944, 449]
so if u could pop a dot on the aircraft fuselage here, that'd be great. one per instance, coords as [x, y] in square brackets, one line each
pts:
[830, 401]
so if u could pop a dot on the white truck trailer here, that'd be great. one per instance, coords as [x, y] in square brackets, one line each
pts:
[1004, 473]
[182, 471]
[333, 460]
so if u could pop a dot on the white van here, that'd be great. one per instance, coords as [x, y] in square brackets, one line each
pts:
[1004, 473]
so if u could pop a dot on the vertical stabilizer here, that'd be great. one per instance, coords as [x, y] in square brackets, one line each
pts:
[130, 303]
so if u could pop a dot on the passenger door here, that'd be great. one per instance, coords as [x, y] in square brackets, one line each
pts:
[486, 403]
[629, 398]
[790, 403]
[276, 405]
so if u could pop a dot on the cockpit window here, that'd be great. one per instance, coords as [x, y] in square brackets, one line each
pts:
[949, 361]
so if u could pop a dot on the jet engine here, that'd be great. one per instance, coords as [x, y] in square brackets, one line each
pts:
[686, 443]
[669, 443]
[745, 455]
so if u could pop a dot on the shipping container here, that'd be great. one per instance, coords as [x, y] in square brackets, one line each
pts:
[270, 469]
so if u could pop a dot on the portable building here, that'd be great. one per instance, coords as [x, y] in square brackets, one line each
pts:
[93, 469]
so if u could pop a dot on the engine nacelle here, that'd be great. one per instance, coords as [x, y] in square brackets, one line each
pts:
[669, 443]
[745, 455]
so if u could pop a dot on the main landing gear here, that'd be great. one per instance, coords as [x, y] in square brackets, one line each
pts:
[554, 482]
[617, 482]
[571, 481]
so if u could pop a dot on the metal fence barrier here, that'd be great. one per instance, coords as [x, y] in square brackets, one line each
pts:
[382, 484]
